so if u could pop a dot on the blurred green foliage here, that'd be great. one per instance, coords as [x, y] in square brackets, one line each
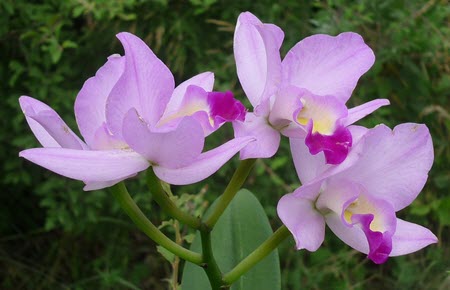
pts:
[55, 236]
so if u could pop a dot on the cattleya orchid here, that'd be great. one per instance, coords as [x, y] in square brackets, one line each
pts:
[302, 96]
[132, 117]
[358, 199]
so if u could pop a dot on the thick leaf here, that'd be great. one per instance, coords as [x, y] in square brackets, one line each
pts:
[240, 230]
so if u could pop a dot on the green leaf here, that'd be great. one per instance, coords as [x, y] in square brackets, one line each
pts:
[240, 230]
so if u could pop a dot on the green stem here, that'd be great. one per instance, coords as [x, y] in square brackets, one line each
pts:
[210, 265]
[257, 255]
[130, 207]
[167, 204]
[238, 179]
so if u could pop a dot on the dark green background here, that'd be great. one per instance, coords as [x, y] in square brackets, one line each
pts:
[55, 236]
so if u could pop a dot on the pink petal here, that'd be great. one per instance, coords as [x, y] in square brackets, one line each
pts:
[95, 185]
[410, 237]
[172, 149]
[47, 125]
[393, 165]
[327, 65]
[87, 164]
[309, 191]
[204, 80]
[352, 236]
[90, 104]
[359, 112]
[204, 166]
[373, 216]
[313, 168]
[258, 62]
[305, 223]
[267, 139]
[146, 85]
[287, 104]
[210, 109]
[308, 166]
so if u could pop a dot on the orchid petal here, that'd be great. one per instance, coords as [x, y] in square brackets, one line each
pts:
[327, 65]
[410, 237]
[309, 191]
[258, 62]
[104, 140]
[359, 112]
[171, 149]
[90, 103]
[267, 139]
[313, 168]
[204, 80]
[373, 216]
[146, 85]
[394, 165]
[305, 223]
[352, 236]
[210, 109]
[194, 101]
[323, 111]
[47, 125]
[286, 107]
[308, 166]
[95, 185]
[204, 166]
[87, 164]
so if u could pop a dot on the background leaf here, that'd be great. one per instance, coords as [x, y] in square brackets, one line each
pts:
[240, 230]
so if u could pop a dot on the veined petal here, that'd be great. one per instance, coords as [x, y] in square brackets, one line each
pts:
[359, 112]
[172, 149]
[309, 191]
[267, 139]
[210, 109]
[205, 165]
[305, 223]
[90, 104]
[327, 65]
[105, 165]
[258, 62]
[104, 140]
[410, 237]
[47, 125]
[308, 166]
[313, 168]
[95, 185]
[323, 111]
[374, 217]
[194, 100]
[204, 80]
[286, 106]
[393, 165]
[146, 85]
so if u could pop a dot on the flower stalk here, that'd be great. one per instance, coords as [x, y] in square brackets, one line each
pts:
[166, 204]
[120, 192]
[257, 255]
[210, 266]
[236, 182]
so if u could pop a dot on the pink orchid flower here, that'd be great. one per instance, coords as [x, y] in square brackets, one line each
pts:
[132, 117]
[358, 199]
[302, 96]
